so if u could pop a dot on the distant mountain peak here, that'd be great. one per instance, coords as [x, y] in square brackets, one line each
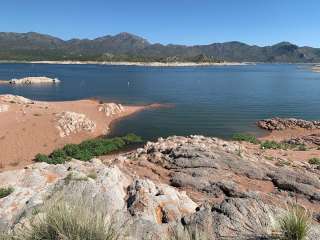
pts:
[126, 35]
[284, 43]
[128, 46]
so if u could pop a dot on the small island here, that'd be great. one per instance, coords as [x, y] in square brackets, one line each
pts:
[32, 80]
[316, 68]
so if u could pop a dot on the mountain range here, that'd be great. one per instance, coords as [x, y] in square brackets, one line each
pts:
[33, 46]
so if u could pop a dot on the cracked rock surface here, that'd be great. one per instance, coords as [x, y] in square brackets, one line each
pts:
[195, 182]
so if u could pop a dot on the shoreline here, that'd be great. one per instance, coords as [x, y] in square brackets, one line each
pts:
[30, 127]
[142, 64]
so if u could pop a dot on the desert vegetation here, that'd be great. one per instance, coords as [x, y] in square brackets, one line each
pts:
[243, 137]
[68, 219]
[4, 192]
[88, 149]
[295, 224]
[314, 161]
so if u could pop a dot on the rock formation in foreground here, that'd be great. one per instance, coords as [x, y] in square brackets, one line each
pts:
[213, 185]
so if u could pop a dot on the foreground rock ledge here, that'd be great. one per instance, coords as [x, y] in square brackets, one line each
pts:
[178, 181]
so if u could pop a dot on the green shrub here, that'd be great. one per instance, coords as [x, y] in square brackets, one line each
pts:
[56, 157]
[270, 145]
[132, 138]
[314, 161]
[295, 224]
[274, 145]
[88, 149]
[302, 147]
[242, 137]
[4, 192]
[41, 158]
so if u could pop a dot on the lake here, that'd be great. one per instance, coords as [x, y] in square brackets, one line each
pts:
[212, 101]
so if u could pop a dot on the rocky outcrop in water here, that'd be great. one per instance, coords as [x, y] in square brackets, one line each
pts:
[34, 80]
[72, 122]
[287, 123]
[110, 109]
[216, 186]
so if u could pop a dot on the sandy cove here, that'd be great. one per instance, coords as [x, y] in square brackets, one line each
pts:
[31, 127]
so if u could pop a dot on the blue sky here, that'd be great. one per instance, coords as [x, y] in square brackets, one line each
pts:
[260, 22]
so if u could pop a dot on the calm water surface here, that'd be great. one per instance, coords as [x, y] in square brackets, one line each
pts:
[213, 101]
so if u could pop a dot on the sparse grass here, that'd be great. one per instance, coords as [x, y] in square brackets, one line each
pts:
[74, 177]
[188, 233]
[295, 224]
[302, 147]
[88, 149]
[273, 145]
[4, 192]
[270, 158]
[243, 137]
[69, 219]
[283, 162]
[314, 161]
[282, 145]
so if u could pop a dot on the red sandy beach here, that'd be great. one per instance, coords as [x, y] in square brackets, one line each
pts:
[31, 127]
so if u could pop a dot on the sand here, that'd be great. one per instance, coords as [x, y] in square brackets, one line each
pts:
[29, 128]
[287, 155]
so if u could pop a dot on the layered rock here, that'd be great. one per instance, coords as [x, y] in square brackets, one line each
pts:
[72, 122]
[134, 199]
[217, 187]
[214, 168]
[110, 109]
[158, 203]
[287, 123]
[243, 189]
